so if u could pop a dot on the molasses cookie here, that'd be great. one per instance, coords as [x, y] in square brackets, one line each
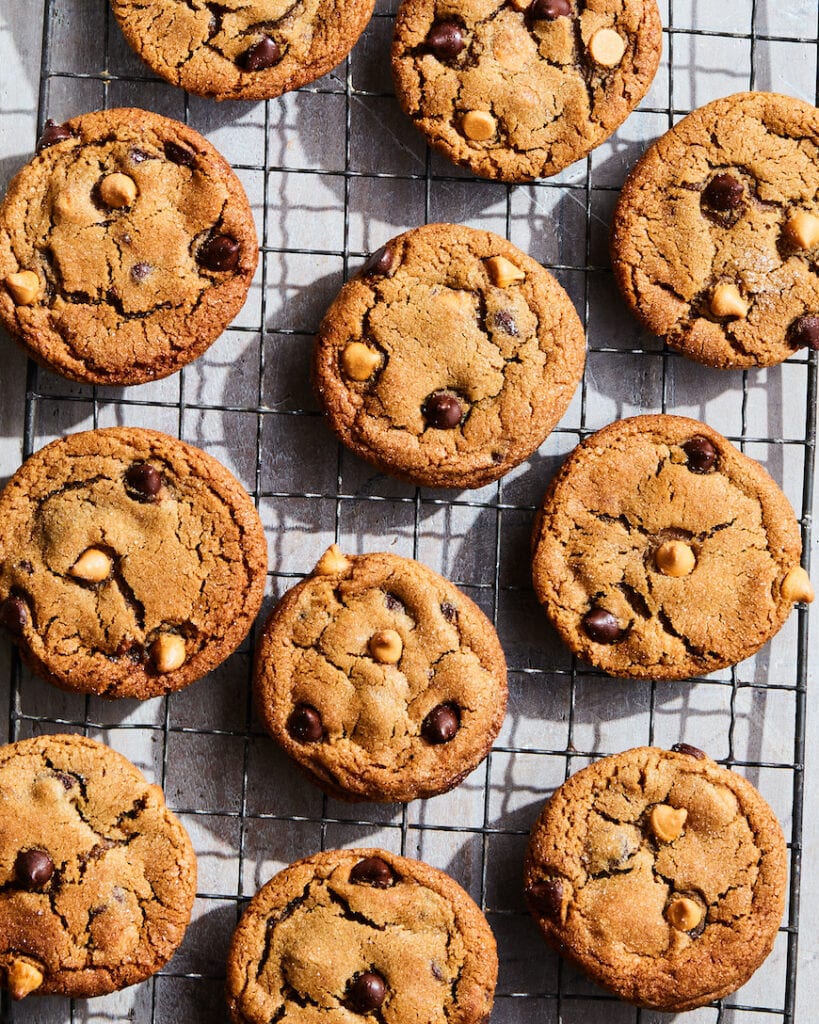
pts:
[130, 563]
[248, 51]
[380, 678]
[349, 933]
[715, 238]
[97, 876]
[660, 874]
[127, 246]
[662, 552]
[520, 89]
[449, 357]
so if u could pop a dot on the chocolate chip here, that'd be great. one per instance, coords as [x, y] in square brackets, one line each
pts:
[379, 263]
[601, 626]
[723, 192]
[219, 253]
[442, 410]
[144, 478]
[696, 932]
[262, 54]
[505, 322]
[27, 567]
[436, 971]
[179, 154]
[305, 724]
[14, 615]
[549, 10]
[685, 748]
[138, 156]
[393, 603]
[441, 724]
[68, 781]
[33, 868]
[366, 993]
[449, 611]
[139, 271]
[804, 332]
[52, 133]
[373, 871]
[446, 40]
[546, 897]
[701, 453]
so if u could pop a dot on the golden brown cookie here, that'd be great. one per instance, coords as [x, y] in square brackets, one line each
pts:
[663, 552]
[715, 238]
[520, 89]
[449, 357]
[660, 874]
[380, 678]
[97, 876]
[127, 246]
[131, 563]
[349, 934]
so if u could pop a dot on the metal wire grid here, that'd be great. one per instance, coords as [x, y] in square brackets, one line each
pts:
[190, 991]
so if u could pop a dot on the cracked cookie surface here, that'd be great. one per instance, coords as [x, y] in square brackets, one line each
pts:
[517, 90]
[449, 357]
[131, 563]
[237, 49]
[347, 932]
[136, 243]
[97, 876]
[660, 874]
[380, 678]
[661, 551]
[715, 238]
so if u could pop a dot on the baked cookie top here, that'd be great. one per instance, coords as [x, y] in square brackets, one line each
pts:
[242, 49]
[131, 563]
[349, 933]
[127, 246]
[380, 678]
[515, 89]
[661, 874]
[97, 876]
[449, 357]
[715, 238]
[661, 551]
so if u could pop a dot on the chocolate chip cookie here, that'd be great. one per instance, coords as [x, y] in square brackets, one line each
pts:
[248, 51]
[660, 874]
[449, 357]
[661, 551]
[349, 933]
[97, 876]
[127, 246]
[130, 563]
[520, 89]
[715, 238]
[380, 678]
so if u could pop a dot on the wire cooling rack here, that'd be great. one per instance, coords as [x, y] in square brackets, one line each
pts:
[333, 171]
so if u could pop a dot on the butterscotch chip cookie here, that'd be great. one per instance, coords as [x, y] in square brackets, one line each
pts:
[248, 51]
[127, 246]
[350, 933]
[661, 551]
[380, 678]
[97, 876]
[516, 90]
[715, 238]
[660, 874]
[130, 563]
[449, 357]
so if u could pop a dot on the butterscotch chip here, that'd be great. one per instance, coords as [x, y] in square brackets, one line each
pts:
[93, 565]
[23, 287]
[386, 646]
[667, 822]
[607, 47]
[802, 229]
[675, 558]
[797, 586]
[479, 125]
[359, 361]
[503, 272]
[168, 652]
[333, 562]
[118, 190]
[684, 913]
[726, 300]
[22, 978]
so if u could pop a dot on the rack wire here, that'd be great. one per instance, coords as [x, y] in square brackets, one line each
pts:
[336, 164]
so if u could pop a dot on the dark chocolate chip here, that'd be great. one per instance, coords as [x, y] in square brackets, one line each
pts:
[445, 39]
[139, 271]
[441, 724]
[366, 993]
[14, 615]
[449, 611]
[505, 322]
[546, 897]
[723, 192]
[305, 724]
[27, 567]
[379, 263]
[144, 478]
[702, 455]
[179, 154]
[219, 253]
[549, 10]
[685, 748]
[601, 626]
[68, 781]
[442, 410]
[33, 868]
[139, 156]
[52, 133]
[112, 295]
[262, 54]
[395, 604]
[373, 871]
[804, 332]
[436, 971]
[696, 932]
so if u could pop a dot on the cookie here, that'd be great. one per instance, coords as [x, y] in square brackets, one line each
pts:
[97, 876]
[448, 358]
[130, 563]
[380, 678]
[514, 89]
[349, 933]
[248, 51]
[662, 552]
[660, 874]
[127, 246]
[715, 238]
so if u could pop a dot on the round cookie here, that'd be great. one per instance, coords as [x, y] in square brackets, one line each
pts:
[660, 874]
[127, 245]
[380, 678]
[662, 552]
[248, 51]
[97, 876]
[515, 89]
[715, 238]
[131, 563]
[362, 932]
[449, 357]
